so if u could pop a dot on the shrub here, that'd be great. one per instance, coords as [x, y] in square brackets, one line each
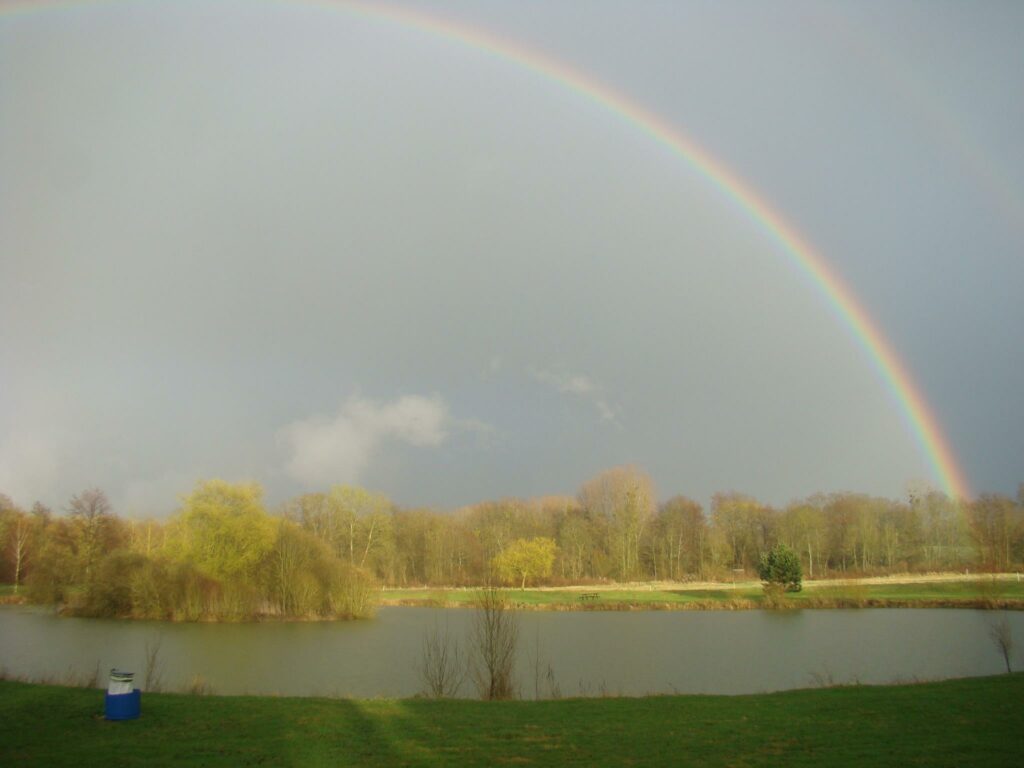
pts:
[52, 575]
[494, 638]
[152, 591]
[109, 591]
[780, 567]
[355, 594]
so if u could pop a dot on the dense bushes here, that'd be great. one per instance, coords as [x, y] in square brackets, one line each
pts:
[305, 578]
[129, 584]
[109, 591]
[221, 558]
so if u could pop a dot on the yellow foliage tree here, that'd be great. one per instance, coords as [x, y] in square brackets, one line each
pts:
[223, 529]
[525, 559]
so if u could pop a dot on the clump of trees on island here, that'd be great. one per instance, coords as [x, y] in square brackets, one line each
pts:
[221, 556]
[224, 555]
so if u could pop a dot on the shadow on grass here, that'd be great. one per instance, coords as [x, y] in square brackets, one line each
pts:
[347, 731]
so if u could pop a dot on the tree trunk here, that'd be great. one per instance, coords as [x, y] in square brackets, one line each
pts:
[369, 541]
[17, 566]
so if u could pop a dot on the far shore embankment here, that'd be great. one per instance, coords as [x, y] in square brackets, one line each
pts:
[930, 590]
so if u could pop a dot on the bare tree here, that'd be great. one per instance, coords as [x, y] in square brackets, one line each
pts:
[1002, 636]
[625, 497]
[495, 635]
[153, 678]
[91, 510]
[89, 504]
[442, 665]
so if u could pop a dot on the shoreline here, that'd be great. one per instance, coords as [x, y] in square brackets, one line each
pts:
[934, 591]
[726, 605]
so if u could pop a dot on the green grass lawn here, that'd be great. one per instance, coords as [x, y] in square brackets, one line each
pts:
[554, 597]
[924, 593]
[571, 598]
[971, 722]
[962, 590]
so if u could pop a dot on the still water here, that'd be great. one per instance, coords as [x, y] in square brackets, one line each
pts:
[589, 653]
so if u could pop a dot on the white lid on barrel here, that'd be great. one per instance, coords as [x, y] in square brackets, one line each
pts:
[120, 682]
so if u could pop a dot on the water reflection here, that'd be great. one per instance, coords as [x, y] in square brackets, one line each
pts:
[588, 653]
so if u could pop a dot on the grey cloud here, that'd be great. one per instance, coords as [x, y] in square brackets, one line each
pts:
[216, 228]
[29, 464]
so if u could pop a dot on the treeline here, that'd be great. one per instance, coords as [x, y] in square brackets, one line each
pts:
[223, 554]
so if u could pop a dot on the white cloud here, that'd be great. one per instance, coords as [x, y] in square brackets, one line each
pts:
[338, 450]
[475, 425]
[579, 385]
[606, 411]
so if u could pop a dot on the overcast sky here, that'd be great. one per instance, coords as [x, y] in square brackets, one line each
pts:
[286, 242]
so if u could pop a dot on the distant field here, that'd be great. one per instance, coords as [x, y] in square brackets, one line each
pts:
[951, 593]
[972, 722]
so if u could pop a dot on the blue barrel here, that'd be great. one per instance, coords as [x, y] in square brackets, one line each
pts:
[123, 706]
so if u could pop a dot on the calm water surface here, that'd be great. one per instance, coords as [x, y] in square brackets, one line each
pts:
[589, 653]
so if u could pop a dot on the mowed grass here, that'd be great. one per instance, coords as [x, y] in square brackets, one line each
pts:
[568, 598]
[971, 722]
[939, 593]
[546, 598]
[940, 590]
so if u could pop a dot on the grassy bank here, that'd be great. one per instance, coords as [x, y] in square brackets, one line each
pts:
[968, 722]
[9, 597]
[982, 593]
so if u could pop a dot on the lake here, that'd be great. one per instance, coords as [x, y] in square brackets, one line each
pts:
[590, 653]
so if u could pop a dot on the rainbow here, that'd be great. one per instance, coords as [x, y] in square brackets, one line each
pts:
[801, 255]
